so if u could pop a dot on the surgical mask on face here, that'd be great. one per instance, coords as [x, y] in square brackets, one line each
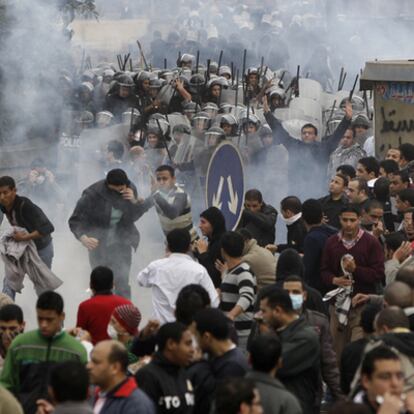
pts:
[111, 331]
[297, 301]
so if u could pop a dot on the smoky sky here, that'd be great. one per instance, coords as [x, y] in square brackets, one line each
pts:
[34, 50]
[319, 35]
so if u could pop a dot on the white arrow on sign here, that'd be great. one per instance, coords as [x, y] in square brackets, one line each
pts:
[217, 197]
[234, 198]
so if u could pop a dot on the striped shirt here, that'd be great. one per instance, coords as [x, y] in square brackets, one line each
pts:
[239, 288]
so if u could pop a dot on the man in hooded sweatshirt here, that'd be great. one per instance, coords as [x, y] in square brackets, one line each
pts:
[212, 226]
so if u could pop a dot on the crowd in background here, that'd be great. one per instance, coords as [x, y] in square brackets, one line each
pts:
[241, 322]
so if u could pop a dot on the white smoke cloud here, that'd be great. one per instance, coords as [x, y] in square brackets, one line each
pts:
[33, 52]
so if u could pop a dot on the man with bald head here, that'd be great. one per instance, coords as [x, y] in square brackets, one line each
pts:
[398, 294]
[117, 392]
[406, 275]
[393, 321]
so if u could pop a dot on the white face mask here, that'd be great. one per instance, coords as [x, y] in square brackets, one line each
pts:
[297, 301]
[111, 331]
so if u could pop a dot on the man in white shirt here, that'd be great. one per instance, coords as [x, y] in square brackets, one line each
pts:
[169, 275]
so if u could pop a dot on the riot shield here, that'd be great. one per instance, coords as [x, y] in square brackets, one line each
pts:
[311, 109]
[310, 89]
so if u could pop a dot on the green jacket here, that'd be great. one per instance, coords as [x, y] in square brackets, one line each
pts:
[29, 360]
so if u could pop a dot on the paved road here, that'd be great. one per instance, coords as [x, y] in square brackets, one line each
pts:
[72, 266]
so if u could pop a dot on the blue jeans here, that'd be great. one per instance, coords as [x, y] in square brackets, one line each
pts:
[46, 254]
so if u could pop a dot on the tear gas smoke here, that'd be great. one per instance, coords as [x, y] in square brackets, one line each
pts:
[320, 35]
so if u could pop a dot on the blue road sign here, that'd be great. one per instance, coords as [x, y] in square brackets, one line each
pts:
[225, 183]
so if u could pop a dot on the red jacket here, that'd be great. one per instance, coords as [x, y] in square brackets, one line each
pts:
[94, 314]
[369, 259]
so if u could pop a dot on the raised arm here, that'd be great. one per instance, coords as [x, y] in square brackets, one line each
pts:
[280, 133]
[179, 84]
[332, 141]
[266, 221]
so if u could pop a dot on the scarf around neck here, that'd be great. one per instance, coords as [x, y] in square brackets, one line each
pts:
[289, 221]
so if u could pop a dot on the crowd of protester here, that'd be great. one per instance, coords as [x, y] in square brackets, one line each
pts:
[240, 323]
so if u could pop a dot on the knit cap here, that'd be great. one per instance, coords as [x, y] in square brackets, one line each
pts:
[128, 317]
